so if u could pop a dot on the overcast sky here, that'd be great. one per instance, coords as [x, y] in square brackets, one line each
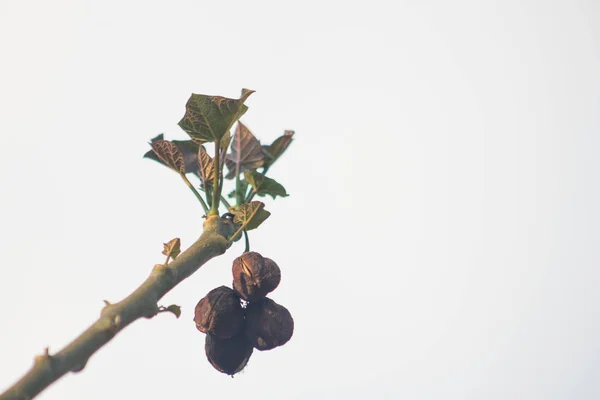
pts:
[441, 236]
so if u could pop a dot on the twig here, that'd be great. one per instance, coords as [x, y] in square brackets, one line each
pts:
[142, 302]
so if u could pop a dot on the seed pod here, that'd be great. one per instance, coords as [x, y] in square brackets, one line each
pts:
[268, 324]
[228, 356]
[219, 313]
[254, 276]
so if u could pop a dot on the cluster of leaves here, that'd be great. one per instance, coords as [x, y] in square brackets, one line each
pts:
[209, 119]
[240, 319]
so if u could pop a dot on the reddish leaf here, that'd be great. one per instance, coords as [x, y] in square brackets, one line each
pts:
[169, 154]
[246, 152]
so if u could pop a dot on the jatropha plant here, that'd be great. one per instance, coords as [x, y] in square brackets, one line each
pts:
[237, 319]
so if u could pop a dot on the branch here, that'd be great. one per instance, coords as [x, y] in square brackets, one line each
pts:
[142, 302]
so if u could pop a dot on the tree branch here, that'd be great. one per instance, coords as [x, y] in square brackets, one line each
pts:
[143, 302]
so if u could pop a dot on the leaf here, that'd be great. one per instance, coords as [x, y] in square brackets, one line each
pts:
[169, 154]
[263, 185]
[252, 214]
[188, 148]
[246, 152]
[209, 118]
[172, 248]
[160, 136]
[225, 142]
[276, 149]
[243, 189]
[174, 308]
[206, 167]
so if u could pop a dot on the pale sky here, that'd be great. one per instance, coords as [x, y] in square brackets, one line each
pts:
[441, 236]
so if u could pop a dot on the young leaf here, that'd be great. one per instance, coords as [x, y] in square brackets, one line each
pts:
[172, 248]
[243, 189]
[263, 185]
[169, 154]
[246, 152]
[160, 136]
[209, 118]
[251, 214]
[276, 149]
[175, 309]
[206, 167]
[188, 148]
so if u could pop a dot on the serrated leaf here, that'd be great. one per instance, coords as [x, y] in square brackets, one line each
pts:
[209, 118]
[169, 154]
[246, 151]
[251, 214]
[172, 248]
[206, 167]
[243, 189]
[276, 149]
[263, 185]
[188, 148]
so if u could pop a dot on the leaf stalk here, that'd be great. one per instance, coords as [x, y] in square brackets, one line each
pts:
[200, 199]
[216, 194]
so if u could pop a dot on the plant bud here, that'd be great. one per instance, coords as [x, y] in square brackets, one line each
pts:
[254, 276]
[228, 356]
[219, 313]
[268, 325]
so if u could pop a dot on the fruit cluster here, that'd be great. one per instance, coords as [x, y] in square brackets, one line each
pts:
[237, 321]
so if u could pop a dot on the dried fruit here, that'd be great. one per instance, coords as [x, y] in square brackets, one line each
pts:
[268, 324]
[229, 356]
[219, 313]
[254, 276]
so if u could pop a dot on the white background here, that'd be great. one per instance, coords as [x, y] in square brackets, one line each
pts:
[441, 236]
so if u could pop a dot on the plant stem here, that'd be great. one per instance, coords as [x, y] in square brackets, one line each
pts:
[142, 303]
[250, 196]
[239, 197]
[225, 203]
[216, 172]
[187, 182]
[247, 242]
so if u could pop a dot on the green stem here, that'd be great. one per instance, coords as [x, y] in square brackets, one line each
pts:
[208, 194]
[239, 197]
[251, 196]
[225, 203]
[247, 241]
[200, 199]
[216, 195]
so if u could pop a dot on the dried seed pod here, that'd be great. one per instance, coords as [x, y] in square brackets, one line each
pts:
[219, 313]
[268, 324]
[228, 356]
[254, 276]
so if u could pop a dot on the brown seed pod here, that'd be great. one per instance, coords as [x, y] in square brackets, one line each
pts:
[219, 313]
[228, 356]
[254, 276]
[268, 324]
